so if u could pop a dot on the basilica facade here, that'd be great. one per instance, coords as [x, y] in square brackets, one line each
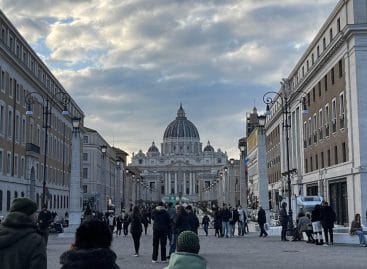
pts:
[181, 169]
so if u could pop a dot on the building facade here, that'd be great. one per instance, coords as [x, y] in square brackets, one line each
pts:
[327, 149]
[102, 173]
[181, 169]
[26, 83]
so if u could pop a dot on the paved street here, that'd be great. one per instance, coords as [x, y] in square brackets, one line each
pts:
[248, 252]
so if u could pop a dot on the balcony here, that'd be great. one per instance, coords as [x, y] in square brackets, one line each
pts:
[32, 149]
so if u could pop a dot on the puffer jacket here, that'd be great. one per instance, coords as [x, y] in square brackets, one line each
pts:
[21, 247]
[95, 258]
[184, 260]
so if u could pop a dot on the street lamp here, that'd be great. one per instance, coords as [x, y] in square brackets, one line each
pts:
[104, 153]
[47, 103]
[271, 98]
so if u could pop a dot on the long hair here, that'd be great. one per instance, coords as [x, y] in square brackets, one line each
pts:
[136, 212]
[93, 234]
[357, 218]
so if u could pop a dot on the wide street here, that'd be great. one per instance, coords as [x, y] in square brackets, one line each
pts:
[227, 253]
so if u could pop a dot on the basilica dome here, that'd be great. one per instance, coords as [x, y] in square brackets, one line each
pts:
[181, 127]
[153, 148]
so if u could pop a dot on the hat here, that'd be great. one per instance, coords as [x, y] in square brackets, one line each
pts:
[188, 241]
[23, 205]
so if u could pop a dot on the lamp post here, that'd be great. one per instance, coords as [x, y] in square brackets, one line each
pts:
[271, 98]
[47, 103]
[104, 198]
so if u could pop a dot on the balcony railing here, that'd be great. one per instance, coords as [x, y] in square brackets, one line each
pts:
[32, 148]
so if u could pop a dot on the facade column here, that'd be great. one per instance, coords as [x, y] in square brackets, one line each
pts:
[75, 192]
[169, 183]
[165, 183]
[190, 186]
[184, 184]
[176, 183]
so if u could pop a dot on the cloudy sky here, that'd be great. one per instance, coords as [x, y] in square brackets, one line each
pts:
[130, 63]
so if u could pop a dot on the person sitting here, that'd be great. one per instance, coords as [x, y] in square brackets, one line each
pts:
[91, 249]
[188, 247]
[356, 229]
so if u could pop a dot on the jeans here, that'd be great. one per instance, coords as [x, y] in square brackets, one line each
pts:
[362, 239]
[206, 226]
[172, 247]
[262, 229]
[241, 228]
[225, 228]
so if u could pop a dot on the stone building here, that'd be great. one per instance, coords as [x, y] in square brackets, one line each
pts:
[327, 149]
[181, 169]
[27, 83]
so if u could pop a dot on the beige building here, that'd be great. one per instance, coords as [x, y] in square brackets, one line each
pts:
[22, 137]
[327, 149]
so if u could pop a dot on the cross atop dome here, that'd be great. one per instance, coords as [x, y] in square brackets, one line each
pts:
[181, 112]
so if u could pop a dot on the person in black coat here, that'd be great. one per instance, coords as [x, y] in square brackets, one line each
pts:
[193, 220]
[205, 223]
[161, 227]
[91, 249]
[180, 224]
[226, 215]
[261, 219]
[218, 222]
[283, 218]
[136, 228]
[328, 218]
[316, 224]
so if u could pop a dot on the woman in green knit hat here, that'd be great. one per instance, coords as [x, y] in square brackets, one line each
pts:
[187, 257]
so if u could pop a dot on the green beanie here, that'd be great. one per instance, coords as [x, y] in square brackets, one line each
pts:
[188, 241]
[23, 205]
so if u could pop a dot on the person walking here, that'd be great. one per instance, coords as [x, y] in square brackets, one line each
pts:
[44, 220]
[356, 229]
[283, 218]
[91, 249]
[145, 220]
[226, 215]
[119, 222]
[218, 222]
[171, 210]
[136, 228]
[316, 224]
[21, 247]
[111, 222]
[241, 221]
[261, 219]
[161, 227]
[125, 224]
[193, 219]
[180, 224]
[328, 218]
[205, 223]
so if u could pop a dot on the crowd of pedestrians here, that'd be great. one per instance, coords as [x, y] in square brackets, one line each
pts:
[24, 235]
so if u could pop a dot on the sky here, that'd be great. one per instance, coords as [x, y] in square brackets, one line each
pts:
[130, 63]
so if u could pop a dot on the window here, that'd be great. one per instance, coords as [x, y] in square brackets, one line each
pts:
[313, 94]
[344, 152]
[338, 25]
[85, 156]
[341, 111]
[2, 119]
[85, 139]
[17, 124]
[340, 68]
[10, 123]
[1, 200]
[15, 172]
[331, 34]
[333, 114]
[336, 154]
[308, 65]
[85, 188]
[1, 161]
[322, 160]
[311, 165]
[85, 173]
[325, 82]
[316, 162]
[328, 158]
[318, 51]
[306, 165]
[312, 59]
[332, 76]
[324, 43]
[8, 197]
[8, 163]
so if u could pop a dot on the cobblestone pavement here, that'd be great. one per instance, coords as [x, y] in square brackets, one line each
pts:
[247, 252]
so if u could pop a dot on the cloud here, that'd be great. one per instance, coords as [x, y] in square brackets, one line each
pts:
[129, 64]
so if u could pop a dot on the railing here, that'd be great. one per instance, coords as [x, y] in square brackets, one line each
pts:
[30, 147]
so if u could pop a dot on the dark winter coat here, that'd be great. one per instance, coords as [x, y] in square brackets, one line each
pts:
[226, 215]
[218, 219]
[135, 224]
[283, 217]
[21, 247]
[261, 216]
[206, 220]
[44, 219]
[161, 220]
[119, 222]
[328, 217]
[193, 222]
[316, 214]
[181, 223]
[95, 258]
